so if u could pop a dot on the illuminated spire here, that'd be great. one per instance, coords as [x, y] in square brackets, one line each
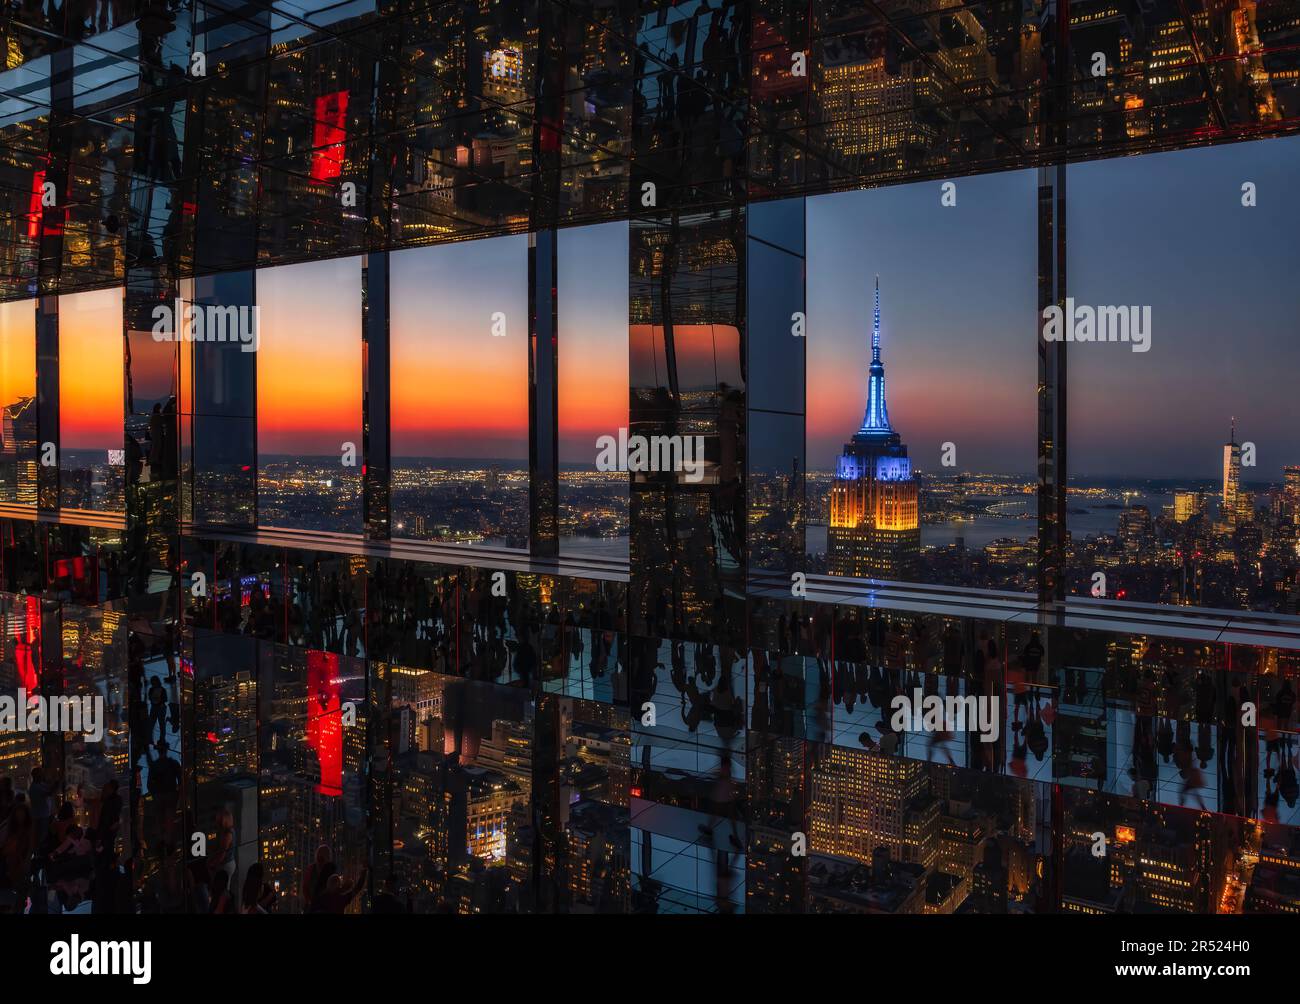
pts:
[875, 327]
[876, 419]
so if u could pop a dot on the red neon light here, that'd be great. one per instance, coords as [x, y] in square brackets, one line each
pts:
[34, 206]
[327, 139]
[27, 644]
[325, 720]
[550, 134]
[73, 568]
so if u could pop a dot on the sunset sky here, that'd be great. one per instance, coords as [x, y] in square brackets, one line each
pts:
[17, 350]
[90, 370]
[153, 371]
[593, 312]
[309, 362]
[458, 390]
[959, 312]
[1169, 230]
[708, 355]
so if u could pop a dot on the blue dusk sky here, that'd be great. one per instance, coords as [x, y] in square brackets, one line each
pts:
[959, 314]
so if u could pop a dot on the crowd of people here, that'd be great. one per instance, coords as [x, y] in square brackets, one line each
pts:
[57, 856]
[51, 862]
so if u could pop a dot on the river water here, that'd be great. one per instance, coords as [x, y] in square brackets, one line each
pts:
[986, 528]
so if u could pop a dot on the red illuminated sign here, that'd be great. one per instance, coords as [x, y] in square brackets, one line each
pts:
[325, 720]
[331, 112]
[34, 206]
[27, 643]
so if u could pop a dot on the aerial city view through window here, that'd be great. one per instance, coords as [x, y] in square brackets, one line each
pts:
[676, 457]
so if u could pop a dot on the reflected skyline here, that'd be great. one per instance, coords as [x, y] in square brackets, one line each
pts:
[92, 456]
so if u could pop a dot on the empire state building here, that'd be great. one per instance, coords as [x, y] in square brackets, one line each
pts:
[874, 527]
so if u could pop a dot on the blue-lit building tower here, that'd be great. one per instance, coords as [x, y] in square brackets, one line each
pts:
[874, 525]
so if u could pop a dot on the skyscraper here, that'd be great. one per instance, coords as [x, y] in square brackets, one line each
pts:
[862, 801]
[1136, 530]
[18, 448]
[1291, 490]
[1187, 504]
[875, 510]
[1231, 476]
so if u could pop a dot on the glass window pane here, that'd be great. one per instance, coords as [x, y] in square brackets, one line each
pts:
[593, 382]
[1184, 424]
[309, 396]
[459, 336]
[18, 448]
[91, 411]
[922, 456]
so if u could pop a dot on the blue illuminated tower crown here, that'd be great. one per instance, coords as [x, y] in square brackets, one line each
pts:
[875, 450]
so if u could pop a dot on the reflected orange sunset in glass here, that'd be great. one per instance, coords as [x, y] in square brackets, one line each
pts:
[90, 370]
[17, 401]
[706, 354]
[593, 356]
[17, 351]
[459, 390]
[309, 358]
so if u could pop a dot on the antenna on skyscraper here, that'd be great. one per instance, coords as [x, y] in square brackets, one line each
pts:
[875, 326]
